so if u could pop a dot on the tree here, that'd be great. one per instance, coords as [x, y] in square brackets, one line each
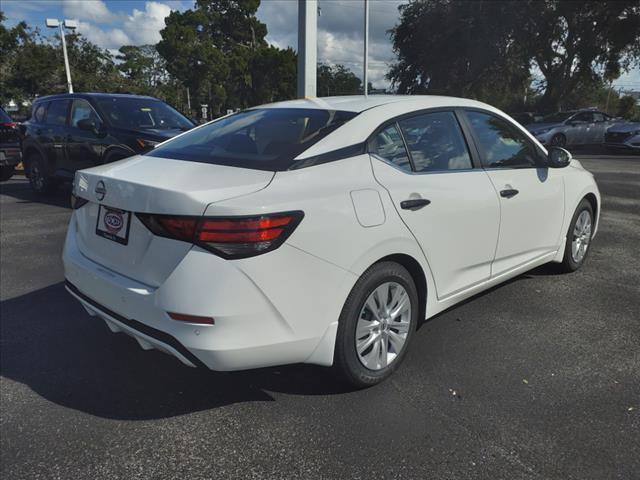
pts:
[627, 107]
[142, 65]
[574, 44]
[463, 48]
[486, 49]
[218, 50]
[337, 80]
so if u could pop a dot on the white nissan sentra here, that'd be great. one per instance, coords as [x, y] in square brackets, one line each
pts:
[321, 230]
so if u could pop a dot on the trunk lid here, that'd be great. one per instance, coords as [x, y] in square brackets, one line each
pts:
[150, 185]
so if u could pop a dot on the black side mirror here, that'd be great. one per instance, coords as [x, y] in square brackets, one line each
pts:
[87, 124]
[558, 157]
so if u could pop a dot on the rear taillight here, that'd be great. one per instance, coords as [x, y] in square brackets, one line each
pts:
[9, 125]
[228, 237]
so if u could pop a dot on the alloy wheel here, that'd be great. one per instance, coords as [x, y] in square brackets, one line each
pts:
[383, 326]
[581, 236]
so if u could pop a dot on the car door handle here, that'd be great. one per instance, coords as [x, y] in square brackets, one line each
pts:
[509, 192]
[414, 203]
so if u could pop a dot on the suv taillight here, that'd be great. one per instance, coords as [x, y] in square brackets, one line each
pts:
[228, 237]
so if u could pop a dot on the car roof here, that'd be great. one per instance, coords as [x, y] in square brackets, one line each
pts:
[360, 103]
[91, 95]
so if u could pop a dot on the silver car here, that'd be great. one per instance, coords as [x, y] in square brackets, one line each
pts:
[624, 136]
[577, 127]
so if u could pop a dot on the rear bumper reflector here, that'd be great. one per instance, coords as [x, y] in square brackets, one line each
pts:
[154, 333]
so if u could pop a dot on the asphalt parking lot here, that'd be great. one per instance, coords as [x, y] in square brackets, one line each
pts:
[537, 378]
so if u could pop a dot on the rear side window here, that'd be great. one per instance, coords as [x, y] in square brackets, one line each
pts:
[501, 144]
[57, 112]
[388, 145]
[40, 113]
[263, 139]
[435, 142]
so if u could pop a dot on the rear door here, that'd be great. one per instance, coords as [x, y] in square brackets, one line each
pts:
[84, 147]
[450, 207]
[531, 197]
[599, 129]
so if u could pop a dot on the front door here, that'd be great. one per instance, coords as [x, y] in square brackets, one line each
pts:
[531, 196]
[450, 207]
[53, 133]
[84, 148]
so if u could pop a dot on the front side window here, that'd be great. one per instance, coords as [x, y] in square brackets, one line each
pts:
[57, 112]
[598, 117]
[264, 139]
[134, 113]
[82, 110]
[435, 142]
[584, 117]
[388, 145]
[501, 144]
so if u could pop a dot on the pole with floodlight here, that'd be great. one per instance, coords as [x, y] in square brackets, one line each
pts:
[71, 25]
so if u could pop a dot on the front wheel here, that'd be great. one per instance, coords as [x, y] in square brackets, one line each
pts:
[41, 182]
[376, 325]
[558, 140]
[578, 237]
[6, 172]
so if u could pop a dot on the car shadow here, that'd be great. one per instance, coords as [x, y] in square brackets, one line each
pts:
[19, 189]
[52, 345]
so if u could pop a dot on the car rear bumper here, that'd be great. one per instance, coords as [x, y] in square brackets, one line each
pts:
[259, 320]
[10, 156]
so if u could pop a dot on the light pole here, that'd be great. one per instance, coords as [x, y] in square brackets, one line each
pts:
[366, 47]
[71, 25]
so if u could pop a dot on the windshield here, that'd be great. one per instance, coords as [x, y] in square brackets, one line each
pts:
[263, 139]
[557, 117]
[142, 114]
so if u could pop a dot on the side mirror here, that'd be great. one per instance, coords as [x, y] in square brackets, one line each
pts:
[87, 124]
[558, 157]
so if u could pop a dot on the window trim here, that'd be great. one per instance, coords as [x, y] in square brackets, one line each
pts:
[541, 156]
[476, 165]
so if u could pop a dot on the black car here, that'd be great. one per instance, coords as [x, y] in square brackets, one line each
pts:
[10, 154]
[69, 132]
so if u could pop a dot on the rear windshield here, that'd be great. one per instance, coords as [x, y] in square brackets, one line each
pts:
[142, 114]
[262, 139]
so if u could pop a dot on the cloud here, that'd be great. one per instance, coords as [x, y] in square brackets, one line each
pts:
[141, 27]
[340, 32]
[89, 10]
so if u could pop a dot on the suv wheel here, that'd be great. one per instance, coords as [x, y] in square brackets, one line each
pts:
[39, 179]
[376, 325]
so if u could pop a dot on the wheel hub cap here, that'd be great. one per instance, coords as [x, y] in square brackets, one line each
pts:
[581, 236]
[383, 326]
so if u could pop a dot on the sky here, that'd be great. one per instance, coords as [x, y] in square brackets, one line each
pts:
[113, 23]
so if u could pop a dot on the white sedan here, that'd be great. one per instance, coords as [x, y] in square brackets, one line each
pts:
[321, 231]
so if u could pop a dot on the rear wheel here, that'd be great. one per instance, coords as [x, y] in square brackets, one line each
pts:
[6, 172]
[39, 179]
[376, 325]
[578, 237]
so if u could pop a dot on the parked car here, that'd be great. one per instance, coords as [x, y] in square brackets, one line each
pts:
[577, 127]
[321, 231]
[10, 154]
[70, 132]
[623, 137]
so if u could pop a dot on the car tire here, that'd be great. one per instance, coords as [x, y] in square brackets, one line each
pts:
[579, 237]
[558, 140]
[6, 172]
[383, 332]
[41, 182]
